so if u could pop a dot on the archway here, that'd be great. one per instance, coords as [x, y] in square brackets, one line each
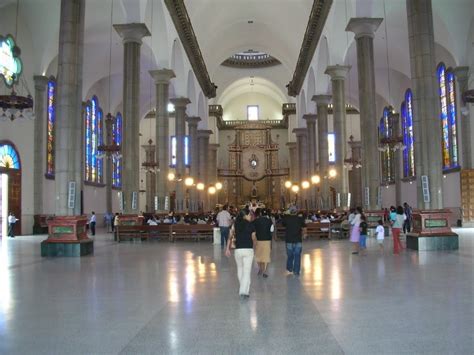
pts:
[10, 188]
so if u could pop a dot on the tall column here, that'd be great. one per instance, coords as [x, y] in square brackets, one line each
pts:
[311, 126]
[41, 85]
[132, 35]
[180, 104]
[364, 29]
[109, 141]
[292, 161]
[397, 160]
[162, 79]
[203, 142]
[322, 102]
[212, 174]
[426, 125]
[462, 82]
[194, 157]
[302, 149]
[356, 176]
[338, 75]
[69, 125]
[150, 176]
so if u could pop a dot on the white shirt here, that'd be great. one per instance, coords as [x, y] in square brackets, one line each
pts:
[152, 222]
[11, 219]
[380, 230]
[224, 219]
[93, 218]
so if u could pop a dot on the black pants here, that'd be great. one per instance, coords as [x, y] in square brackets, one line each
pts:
[93, 228]
[11, 226]
[407, 226]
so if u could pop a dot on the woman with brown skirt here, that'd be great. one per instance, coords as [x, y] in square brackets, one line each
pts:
[264, 230]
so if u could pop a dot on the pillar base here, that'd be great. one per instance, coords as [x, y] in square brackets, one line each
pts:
[54, 249]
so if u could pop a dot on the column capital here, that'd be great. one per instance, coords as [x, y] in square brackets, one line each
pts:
[322, 99]
[180, 102]
[204, 133]
[214, 146]
[41, 82]
[364, 26]
[162, 76]
[193, 120]
[132, 32]
[300, 132]
[337, 72]
[291, 145]
[310, 118]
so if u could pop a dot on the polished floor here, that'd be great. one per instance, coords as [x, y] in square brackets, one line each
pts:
[161, 298]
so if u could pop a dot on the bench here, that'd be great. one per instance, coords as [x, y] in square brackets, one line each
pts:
[191, 231]
[130, 231]
[318, 229]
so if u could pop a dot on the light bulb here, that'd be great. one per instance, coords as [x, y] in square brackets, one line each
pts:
[288, 184]
[189, 181]
[218, 185]
[332, 173]
[315, 179]
[212, 190]
[305, 184]
[171, 176]
[200, 186]
[295, 188]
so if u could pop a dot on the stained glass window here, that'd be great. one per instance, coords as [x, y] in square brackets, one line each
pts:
[117, 161]
[332, 147]
[50, 127]
[387, 152]
[447, 98]
[94, 165]
[173, 151]
[9, 157]
[408, 136]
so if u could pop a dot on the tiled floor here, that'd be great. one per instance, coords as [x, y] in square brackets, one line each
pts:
[143, 298]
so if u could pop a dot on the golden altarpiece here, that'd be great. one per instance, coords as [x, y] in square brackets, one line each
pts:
[253, 172]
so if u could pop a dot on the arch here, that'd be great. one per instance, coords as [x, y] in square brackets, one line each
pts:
[201, 107]
[301, 109]
[311, 87]
[9, 157]
[177, 64]
[322, 62]
[191, 93]
[160, 36]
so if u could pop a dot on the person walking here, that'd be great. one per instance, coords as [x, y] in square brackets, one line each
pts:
[11, 224]
[224, 221]
[116, 224]
[243, 231]
[396, 228]
[380, 230]
[92, 222]
[264, 229]
[295, 227]
[363, 235]
[408, 213]
[355, 231]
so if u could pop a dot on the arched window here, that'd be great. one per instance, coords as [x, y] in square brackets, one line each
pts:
[9, 157]
[117, 160]
[447, 98]
[387, 154]
[94, 166]
[50, 127]
[173, 151]
[408, 136]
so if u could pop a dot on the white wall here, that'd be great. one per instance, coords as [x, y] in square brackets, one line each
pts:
[269, 108]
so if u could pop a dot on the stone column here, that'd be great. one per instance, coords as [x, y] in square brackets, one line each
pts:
[426, 125]
[302, 151]
[162, 79]
[364, 29]
[180, 132]
[356, 180]
[194, 157]
[109, 121]
[464, 123]
[150, 176]
[322, 102]
[132, 35]
[311, 126]
[338, 75]
[69, 121]
[292, 161]
[397, 160]
[212, 173]
[41, 95]
[203, 142]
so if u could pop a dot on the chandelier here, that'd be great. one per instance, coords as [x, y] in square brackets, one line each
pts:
[352, 162]
[15, 106]
[150, 164]
[109, 149]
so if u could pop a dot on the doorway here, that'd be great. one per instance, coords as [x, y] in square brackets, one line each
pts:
[10, 185]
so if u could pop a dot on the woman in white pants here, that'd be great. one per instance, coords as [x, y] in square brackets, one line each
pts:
[243, 231]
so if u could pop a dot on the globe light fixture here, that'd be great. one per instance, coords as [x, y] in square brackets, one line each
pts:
[288, 184]
[305, 184]
[189, 181]
[171, 176]
[218, 185]
[332, 173]
[315, 179]
[212, 190]
[295, 188]
[200, 186]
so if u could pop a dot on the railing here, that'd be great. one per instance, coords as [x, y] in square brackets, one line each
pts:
[237, 173]
[231, 124]
[288, 109]
[216, 111]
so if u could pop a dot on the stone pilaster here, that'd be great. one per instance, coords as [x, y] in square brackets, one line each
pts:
[426, 109]
[41, 94]
[194, 157]
[464, 123]
[132, 35]
[356, 175]
[162, 79]
[69, 121]
[364, 29]
[292, 161]
[204, 176]
[212, 173]
[302, 151]
[311, 126]
[338, 75]
[180, 104]
[150, 189]
[322, 102]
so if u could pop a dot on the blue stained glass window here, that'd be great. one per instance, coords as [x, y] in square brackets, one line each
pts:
[173, 151]
[117, 161]
[387, 155]
[50, 128]
[9, 157]
[94, 166]
[447, 98]
[408, 135]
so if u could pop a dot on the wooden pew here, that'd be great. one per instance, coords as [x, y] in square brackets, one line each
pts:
[318, 229]
[191, 231]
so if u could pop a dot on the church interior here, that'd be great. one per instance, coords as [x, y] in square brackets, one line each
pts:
[159, 108]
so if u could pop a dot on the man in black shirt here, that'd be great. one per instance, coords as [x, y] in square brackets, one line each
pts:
[263, 228]
[295, 227]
